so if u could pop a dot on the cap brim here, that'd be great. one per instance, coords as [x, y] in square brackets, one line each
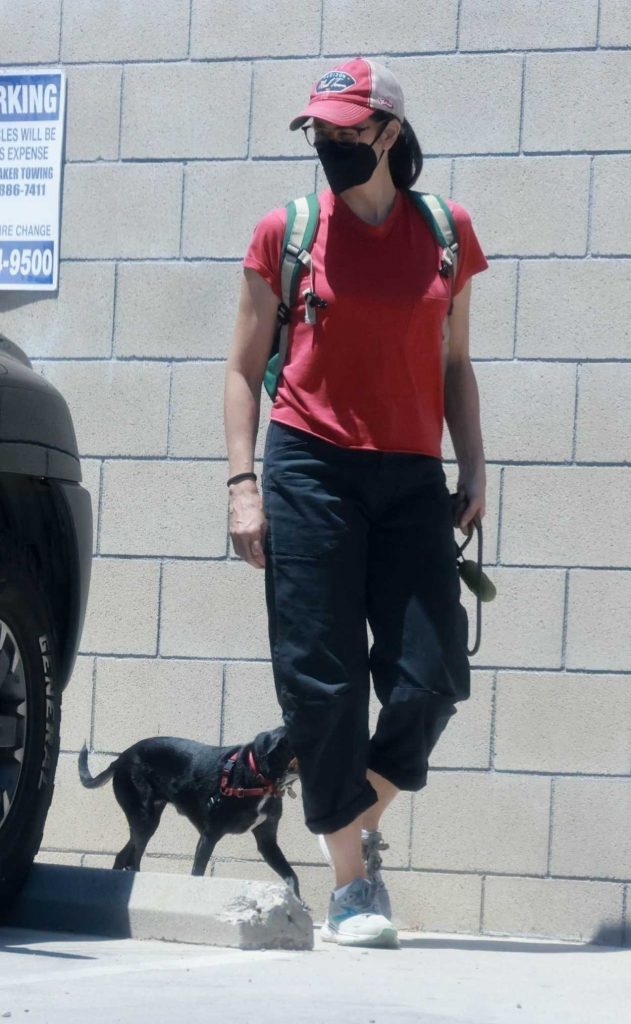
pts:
[336, 111]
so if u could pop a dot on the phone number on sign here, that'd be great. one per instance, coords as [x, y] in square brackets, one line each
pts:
[37, 189]
[27, 264]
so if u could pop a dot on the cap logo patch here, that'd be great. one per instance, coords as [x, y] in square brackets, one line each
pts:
[384, 102]
[335, 81]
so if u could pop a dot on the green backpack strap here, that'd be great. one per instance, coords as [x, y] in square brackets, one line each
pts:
[302, 220]
[440, 221]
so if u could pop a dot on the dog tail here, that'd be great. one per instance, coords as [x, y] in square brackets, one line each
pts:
[84, 774]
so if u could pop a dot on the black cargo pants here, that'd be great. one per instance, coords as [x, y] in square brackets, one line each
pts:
[357, 536]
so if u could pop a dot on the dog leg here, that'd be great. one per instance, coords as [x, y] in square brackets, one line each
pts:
[204, 851]
[126, 858]
[267, 844]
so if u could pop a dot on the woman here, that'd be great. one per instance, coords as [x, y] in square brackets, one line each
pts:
[355, 524]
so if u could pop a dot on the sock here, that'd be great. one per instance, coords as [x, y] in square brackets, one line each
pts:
[342, 889]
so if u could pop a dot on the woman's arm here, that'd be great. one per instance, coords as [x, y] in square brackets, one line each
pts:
[462, 413]
[247, 358]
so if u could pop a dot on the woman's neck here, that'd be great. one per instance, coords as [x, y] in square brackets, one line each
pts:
[373, 201]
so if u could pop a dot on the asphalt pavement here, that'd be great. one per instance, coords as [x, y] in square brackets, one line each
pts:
[48, 978]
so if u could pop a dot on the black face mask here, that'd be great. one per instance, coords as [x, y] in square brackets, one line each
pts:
[346, 166]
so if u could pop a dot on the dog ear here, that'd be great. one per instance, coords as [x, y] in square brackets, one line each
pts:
[266, 744]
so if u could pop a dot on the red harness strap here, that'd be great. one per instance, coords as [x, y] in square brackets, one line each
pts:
[267, 789]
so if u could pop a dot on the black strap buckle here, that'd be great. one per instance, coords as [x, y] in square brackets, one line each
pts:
[283, 314]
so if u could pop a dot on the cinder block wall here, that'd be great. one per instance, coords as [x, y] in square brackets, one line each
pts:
[177, 143]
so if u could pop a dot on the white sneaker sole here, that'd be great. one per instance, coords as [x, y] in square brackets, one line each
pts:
[387, 938]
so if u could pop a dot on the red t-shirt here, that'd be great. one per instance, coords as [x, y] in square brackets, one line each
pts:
[369, 373]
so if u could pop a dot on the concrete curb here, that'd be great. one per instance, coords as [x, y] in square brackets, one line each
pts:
[178, 908]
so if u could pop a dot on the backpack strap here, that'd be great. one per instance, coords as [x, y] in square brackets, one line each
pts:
[440, 221]
[302, 220]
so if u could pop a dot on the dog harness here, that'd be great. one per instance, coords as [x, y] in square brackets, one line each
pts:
[266, 788]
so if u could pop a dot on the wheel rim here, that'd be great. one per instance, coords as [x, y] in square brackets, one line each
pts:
[13, 715]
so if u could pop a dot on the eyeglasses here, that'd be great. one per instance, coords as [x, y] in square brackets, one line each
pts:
[345, 136]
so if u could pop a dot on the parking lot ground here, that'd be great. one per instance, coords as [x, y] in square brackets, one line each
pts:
[48, 978]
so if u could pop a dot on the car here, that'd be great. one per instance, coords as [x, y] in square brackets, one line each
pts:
[45, 562]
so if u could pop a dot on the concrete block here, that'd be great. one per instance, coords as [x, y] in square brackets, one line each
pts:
[590, 835]
[140, 697]
[492, 318]
[558, 116]
[117, 408]
[597, 622]
[387, 28]
[603, 419]
[460, 823]
[569, 308]
[523, 626]
[93, 114]
[315, 882]
[476, 122]
[560, 722]
[218, 30]
[435, 176]
[186, 310]
[164, 865]
[433, 902]
[554, 908]
[504, 197]
[137, 214]
[250, 703]
[122, 614]
[221, 912]
[545, 520]
[91, 473]
[144, 30]
[491, 518]
[213, 610]
[75, 321]
[538, 25]
[30, 31]
[197, 417]
[509, 391]
[76, 713]
[222, 207]
[466, 742]
[164, 508]
[186, 110]
[59, 857]
[280, 92]
[615, 23]
[80, 819]
[612, 192]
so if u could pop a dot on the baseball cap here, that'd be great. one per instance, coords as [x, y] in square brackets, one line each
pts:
[350, 92]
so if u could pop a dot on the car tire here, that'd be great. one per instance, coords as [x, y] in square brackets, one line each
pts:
[30, 714]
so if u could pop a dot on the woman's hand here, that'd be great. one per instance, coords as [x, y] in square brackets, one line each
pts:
[247, 523]
[470, 499]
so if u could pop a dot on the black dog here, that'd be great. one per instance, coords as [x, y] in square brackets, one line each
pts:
[220, 790]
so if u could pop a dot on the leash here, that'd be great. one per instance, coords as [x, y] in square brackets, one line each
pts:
[475, 579]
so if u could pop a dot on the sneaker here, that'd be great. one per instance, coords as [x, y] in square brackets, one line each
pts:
[353, 919]
[372, 842]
